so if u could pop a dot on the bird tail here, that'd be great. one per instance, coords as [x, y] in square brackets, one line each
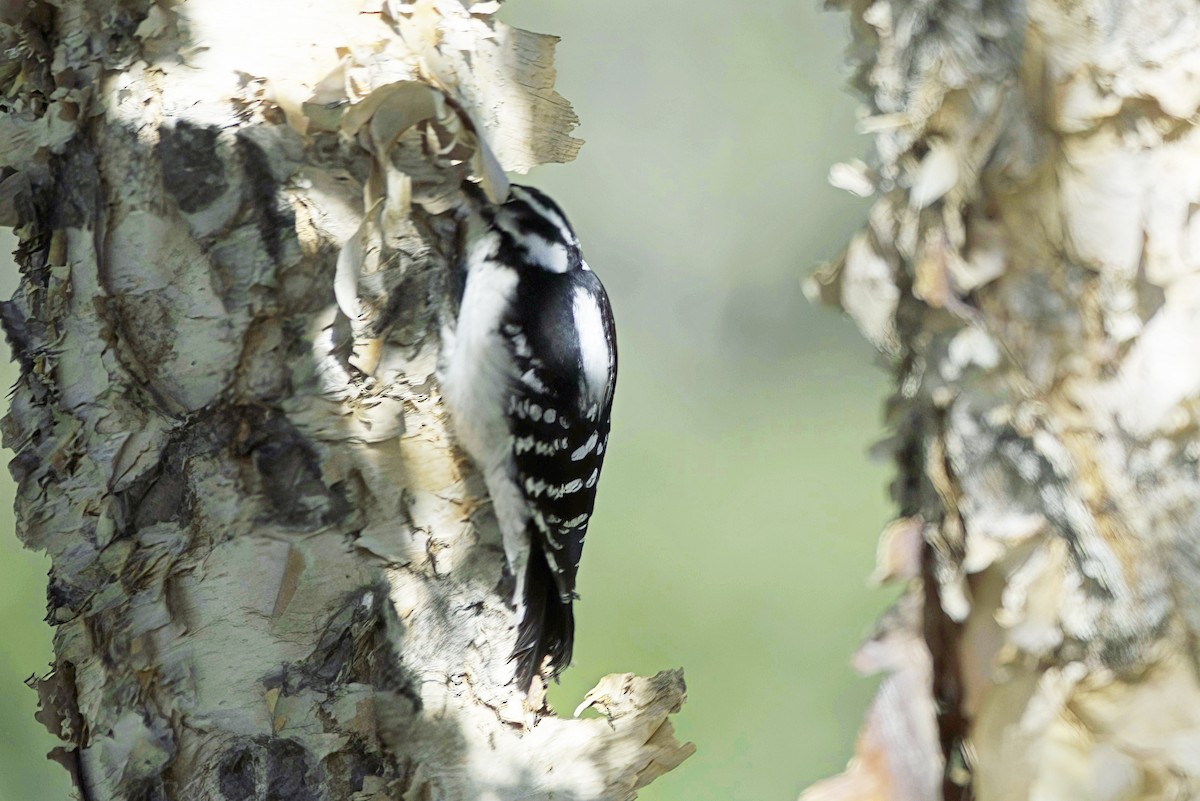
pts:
[547, 627]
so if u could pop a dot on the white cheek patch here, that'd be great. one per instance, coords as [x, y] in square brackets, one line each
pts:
[551, 256]
[593, 343]
[553, 215]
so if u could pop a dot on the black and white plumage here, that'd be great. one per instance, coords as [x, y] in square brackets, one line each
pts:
[527, 372]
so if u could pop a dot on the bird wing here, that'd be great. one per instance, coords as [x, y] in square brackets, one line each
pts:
[560, 404]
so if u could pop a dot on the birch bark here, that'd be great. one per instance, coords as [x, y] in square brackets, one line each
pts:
[273, 577]
[1032, 266]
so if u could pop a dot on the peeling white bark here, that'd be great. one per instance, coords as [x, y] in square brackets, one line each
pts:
[1032, 266]
[273, 576]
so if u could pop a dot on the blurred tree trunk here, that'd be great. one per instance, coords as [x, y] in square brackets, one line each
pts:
[1032, 266]
[273, 578]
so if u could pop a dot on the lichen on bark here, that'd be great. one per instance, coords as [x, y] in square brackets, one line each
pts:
[273, 574]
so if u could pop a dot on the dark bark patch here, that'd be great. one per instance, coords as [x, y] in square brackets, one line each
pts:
[192, 171]
[276, 220]
[289, 472]
[291, 478]
[77, 196]
[149, 790]
[347, 769]
[236, 775]
[17, 333]
[408, 317]
[287, 772]
[33, 250]
[164, 500]
[64, 594]
[160, 496]
[164, 494]
[943, 635]
[58, 703]
[266, 769]
[17, 194]
[355, 648]
[25, 464]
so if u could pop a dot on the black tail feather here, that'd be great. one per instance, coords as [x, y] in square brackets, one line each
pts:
[548, 627]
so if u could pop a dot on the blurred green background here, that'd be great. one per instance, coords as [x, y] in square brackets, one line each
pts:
[738, 513]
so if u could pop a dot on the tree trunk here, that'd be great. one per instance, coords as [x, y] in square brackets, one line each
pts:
[273, 576]
[1032, 267]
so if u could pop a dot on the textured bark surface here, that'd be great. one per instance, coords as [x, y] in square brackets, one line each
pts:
[1032, 266]
[273, 576]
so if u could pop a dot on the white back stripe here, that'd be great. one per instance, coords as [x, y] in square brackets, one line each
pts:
[593, 344]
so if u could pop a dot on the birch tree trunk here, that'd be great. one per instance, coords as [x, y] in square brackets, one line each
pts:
[1032, 265]
[273, 576]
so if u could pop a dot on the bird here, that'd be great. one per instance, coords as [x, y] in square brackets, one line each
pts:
[527, 372]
